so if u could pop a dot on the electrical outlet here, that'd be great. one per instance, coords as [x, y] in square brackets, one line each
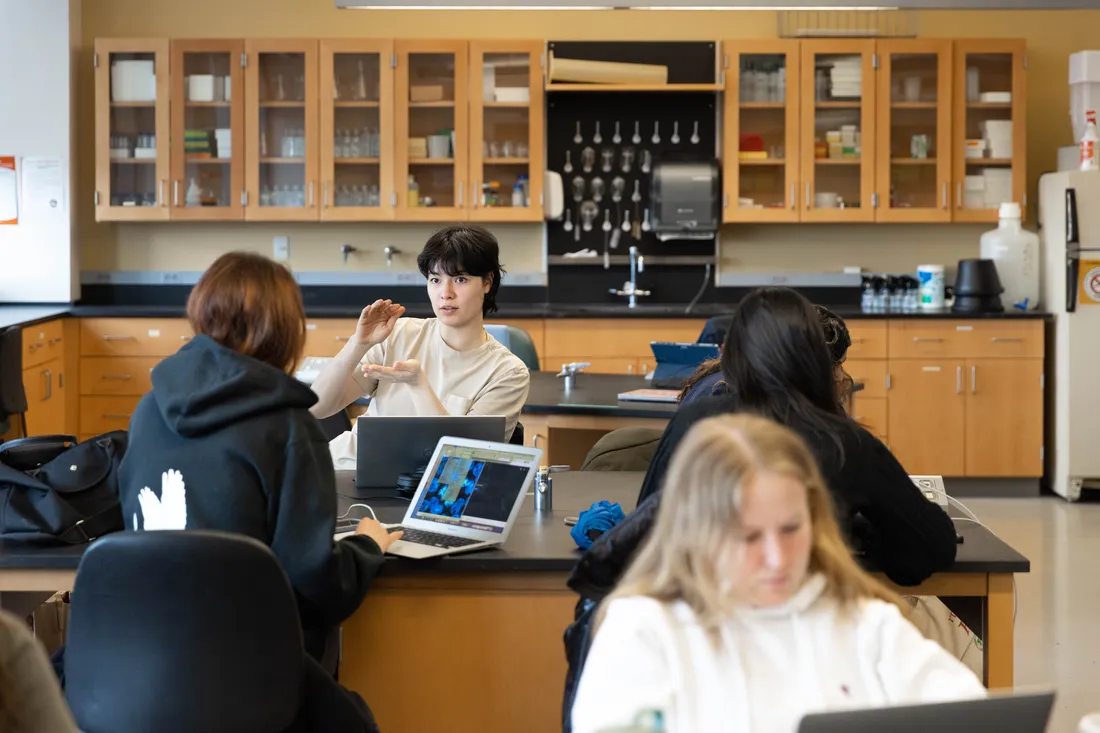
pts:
[282, 249]
[171, 278]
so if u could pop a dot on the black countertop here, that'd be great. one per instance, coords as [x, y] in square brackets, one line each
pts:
[537, 543]
[540, 310]
[593, 394]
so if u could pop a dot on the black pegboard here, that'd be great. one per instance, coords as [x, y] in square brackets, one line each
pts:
[688, 62]
[566, 109]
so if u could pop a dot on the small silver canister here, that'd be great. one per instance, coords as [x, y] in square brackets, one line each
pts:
[544, 488]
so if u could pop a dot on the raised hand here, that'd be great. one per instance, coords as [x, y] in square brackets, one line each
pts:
[377, 321]
[402, 372]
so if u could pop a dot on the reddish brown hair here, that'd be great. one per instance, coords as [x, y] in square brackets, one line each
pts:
[252, 305]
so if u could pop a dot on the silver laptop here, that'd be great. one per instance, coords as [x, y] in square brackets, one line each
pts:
[388, 447]
[468, 499]
[1002, 714]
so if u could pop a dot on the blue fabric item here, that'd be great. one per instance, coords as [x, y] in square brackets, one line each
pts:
[594, 521]
[709, 386]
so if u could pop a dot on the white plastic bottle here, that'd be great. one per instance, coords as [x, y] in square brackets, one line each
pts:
[1016, 253]
[1090, 155]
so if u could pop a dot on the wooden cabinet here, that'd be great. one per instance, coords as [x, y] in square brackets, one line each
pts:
[838, 100]
[207, 131]
[282, 115]
[357, 130]
[1004, 417]
[506, 130]
[761, 162]
[965, 398]
[44, 370]
[431, 120]
[913, 145]
[132, 129]
[927, 415]
[612, 346]
[991, 106]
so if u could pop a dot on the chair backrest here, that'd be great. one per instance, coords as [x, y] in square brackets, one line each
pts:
[13, 398]
[183, 631]
[715, 330]
[517, 341]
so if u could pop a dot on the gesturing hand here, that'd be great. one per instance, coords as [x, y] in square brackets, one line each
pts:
[402, 372]
[377, 321]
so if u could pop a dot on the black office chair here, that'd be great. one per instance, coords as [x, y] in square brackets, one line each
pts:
[517, 435]
[13, 398]
[180, 632]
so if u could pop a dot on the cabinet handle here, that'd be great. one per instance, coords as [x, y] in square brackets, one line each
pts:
[1005, 340]
[115, 416]
[889, 381]
[958, 195]
[34, 347]
[175, 193]
[973, 379]
[477, 187]
[58, 340]
[326, 194]
[958, 380]
[310, 194]
[163, 200]
[460, 194]
[46, 382]
[794, 196]
[118, 338]
[930, 339]
[945, 195]
[807, 196]
[117, 377]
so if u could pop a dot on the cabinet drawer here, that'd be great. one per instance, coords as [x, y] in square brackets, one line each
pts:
[41, 343]
[871, 373]
[325, 337]
[600, 365]
[1006, 339]
[868, 339]
[923, 339]
[133, 336]
[620, 337]
[870, 412]
[103, 414]
[117, 375]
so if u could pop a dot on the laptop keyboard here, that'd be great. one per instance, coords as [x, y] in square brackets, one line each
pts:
[433, 539]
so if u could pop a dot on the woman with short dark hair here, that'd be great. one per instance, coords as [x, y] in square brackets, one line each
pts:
[225, 441]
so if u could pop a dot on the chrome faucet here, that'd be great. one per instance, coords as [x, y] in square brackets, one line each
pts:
[630, 287]
[390, 252]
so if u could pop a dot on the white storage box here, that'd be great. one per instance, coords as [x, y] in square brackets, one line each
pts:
[200, 88]
[133, 81]
[513, 94]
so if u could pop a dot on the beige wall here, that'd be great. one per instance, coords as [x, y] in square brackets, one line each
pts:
[1051, 37]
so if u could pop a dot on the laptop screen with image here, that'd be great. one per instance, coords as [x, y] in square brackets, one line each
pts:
[474, 488]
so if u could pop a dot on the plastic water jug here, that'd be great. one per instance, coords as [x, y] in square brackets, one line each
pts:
[1016, 252]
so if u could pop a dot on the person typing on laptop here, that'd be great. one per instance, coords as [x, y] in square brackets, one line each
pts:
[744, 609]
[447, 365]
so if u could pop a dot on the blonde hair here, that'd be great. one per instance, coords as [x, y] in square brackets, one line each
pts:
[701, 506]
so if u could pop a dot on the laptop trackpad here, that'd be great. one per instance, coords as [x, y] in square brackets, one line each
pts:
[413, 550]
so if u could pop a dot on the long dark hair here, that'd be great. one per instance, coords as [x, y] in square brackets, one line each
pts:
[777, 363]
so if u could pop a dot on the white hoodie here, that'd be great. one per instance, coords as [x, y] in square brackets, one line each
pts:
[773, 666]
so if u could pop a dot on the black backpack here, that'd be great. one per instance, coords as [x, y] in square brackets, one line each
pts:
[58, 492]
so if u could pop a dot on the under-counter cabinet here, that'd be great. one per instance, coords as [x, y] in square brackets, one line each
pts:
[44, 378]
[966, 398]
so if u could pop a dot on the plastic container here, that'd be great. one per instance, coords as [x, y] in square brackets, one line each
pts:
[1084, 88]
[1016, 253]
[932, 288]
[414, 192]
[1090, 156]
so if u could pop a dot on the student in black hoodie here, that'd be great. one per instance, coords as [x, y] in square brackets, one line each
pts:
[225, 441]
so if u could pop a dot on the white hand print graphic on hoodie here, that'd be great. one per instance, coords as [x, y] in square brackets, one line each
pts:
[170, 510]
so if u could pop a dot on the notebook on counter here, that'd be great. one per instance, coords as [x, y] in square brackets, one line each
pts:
[650, 395]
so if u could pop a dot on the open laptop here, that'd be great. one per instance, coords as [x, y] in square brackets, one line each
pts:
[388, 447]
[468, 499]
[678, 361]
[1001, 714]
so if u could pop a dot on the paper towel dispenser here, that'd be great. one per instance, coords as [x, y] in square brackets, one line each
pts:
[685, 199]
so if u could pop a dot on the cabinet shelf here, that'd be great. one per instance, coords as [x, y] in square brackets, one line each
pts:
[134, 105]
[914, 105]
[357, 161]
[837, 161]
[506, 161]
[505, 105]
[989, 105]
[764, 163]
[212, 161]
[762, 105]
[989, 161]
[207, 105]
[356, 105]
[633, 87]
[856, 104]
[912, 161]
[283, 161]
[133, 161]
[431, 105]
[431, 161]
[282, 105]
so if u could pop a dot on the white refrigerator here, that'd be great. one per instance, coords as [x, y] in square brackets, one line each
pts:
[1069, 212]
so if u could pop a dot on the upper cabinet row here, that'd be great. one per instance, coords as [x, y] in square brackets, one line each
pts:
[307, 130]
[864, 130]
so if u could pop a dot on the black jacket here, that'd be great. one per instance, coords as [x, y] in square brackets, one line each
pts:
[226, 442]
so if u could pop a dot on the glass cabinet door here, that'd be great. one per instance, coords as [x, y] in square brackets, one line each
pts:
[838, 115]
[914, 139]
[990, 146]
[132, 129]
[432, 141]
[506, 129]
[282, 129]
[761, 131]
[357, 130]
[207, 130]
